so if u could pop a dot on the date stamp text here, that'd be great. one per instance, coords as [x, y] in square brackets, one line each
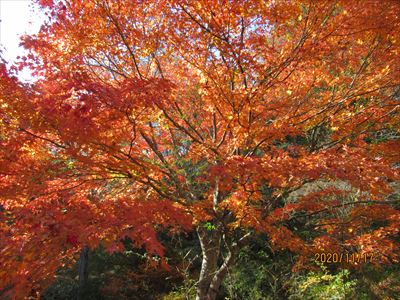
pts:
[349, 258]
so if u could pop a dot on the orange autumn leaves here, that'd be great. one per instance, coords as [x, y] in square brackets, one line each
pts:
[143, 109]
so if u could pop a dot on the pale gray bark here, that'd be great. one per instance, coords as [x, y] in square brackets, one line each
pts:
[210, 242]
[212, 274]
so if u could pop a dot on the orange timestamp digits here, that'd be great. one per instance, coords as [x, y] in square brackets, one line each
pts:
[335, 257]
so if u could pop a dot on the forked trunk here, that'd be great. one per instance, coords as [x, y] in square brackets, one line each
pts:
[212, 274]
[210, 242]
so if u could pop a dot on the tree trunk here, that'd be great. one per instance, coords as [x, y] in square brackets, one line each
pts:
[210, 242]
[83, 273]
[212, 274]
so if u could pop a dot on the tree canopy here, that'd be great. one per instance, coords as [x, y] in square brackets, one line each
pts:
[167, 115]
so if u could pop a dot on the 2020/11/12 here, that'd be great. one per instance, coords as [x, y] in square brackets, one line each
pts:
[347, 257]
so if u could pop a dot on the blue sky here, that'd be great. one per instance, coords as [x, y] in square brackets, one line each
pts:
[18, 17]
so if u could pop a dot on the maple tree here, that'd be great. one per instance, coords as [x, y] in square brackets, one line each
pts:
[199, 115]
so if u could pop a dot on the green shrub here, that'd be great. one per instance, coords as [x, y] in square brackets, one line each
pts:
[322, 285]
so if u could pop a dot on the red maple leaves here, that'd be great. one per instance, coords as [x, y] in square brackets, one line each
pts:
[166, 114]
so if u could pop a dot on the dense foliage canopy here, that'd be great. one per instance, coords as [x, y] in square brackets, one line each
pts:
[167, 115]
